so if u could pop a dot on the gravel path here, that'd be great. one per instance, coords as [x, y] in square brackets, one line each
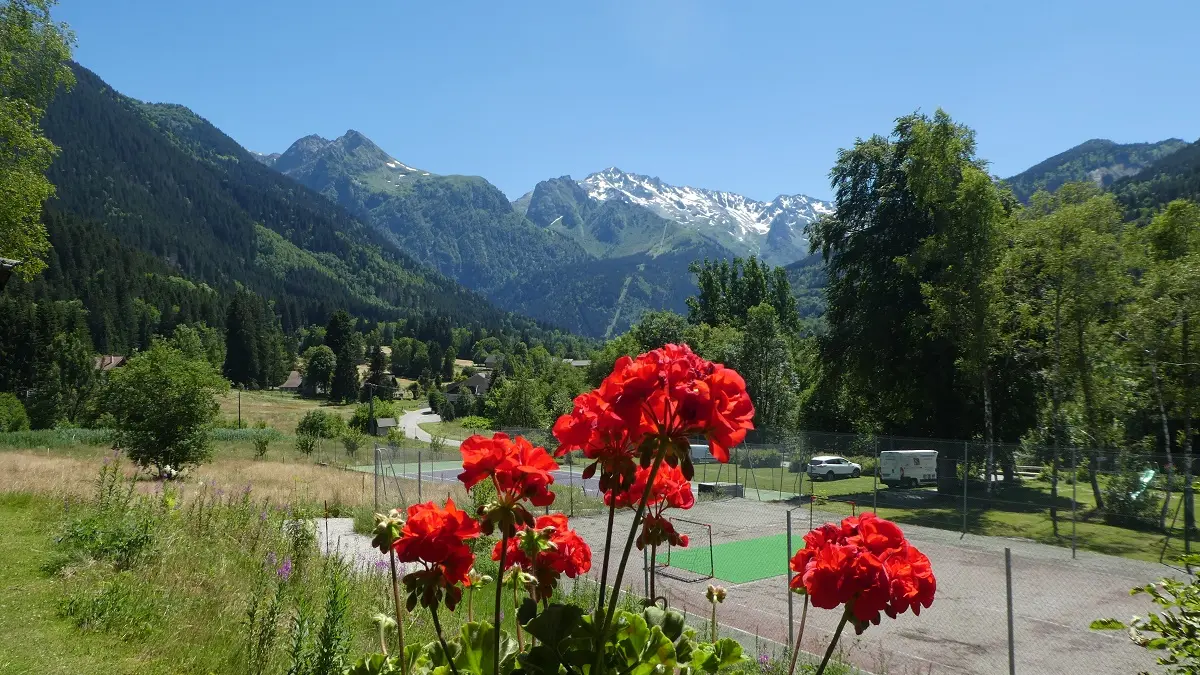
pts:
[337, 536]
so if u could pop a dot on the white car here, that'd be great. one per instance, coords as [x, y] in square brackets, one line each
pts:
[830, 467]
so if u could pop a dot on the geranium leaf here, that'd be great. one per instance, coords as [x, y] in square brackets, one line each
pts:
[476, 651]
[527, 611]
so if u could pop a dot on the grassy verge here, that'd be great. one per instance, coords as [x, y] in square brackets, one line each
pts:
[453, 430]
[36, 638]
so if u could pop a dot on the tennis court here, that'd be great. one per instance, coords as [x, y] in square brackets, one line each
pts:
[737, 562]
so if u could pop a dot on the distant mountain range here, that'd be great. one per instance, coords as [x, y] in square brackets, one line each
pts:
[539, 255]
[773, 231]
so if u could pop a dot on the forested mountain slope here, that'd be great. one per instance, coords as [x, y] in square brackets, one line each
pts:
[1176, 176]
[1099, 160]
[461, 225]
[153, 202]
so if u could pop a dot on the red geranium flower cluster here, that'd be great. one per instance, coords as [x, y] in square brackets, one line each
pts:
[671, 490]
[547, 550]
[661, 398]
[436, 537]
[866, 564]
[518, 469]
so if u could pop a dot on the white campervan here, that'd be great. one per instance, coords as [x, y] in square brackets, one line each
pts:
[908, 468]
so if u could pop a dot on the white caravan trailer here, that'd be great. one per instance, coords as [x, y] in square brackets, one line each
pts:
[908, 468]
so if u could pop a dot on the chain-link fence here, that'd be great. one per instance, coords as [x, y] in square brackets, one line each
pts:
[406, 475]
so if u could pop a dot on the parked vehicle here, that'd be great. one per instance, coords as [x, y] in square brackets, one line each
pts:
[908, 468]
[829, 467]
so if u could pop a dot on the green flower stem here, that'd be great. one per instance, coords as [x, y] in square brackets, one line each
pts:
[637, 519]
[399, 613]
[499, 591]
[516, 604]
[612, 512]
[437, 627]
[799, 636]
[713, 623]
[832, 643]
[471, 604]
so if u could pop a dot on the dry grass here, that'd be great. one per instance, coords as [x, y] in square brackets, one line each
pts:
[280, 482]
[280, 410]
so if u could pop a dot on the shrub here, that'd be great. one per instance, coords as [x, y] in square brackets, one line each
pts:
[395, 436]
[437, 400]
[447, 411]
[321, 424]
[352, 440]
[261, 440]
[162, 404]
[12, 414]
[305, 444]
[362, 413]
[475, 422]
[760, 459]
[1127, 502]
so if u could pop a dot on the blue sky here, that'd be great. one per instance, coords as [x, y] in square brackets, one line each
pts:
[753, 97]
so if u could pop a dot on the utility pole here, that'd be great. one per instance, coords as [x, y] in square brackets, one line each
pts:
[370, 409]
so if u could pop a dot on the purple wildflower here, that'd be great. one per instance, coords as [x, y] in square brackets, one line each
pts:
[285, 570]
[764, 660]
[262, 517]
[271, 558]
[381, 565]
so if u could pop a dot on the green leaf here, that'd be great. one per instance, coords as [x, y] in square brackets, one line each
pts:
[375, 664]
[555, 624]
[1107, 624]
[527, 611]
[476, 650]
[670, 621]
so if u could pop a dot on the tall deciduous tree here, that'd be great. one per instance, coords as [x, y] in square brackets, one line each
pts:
[764, 361]
[34, 56]
[880, 355]
[1068, 251]
[1167, 251]
[320, 364]
[956, 263]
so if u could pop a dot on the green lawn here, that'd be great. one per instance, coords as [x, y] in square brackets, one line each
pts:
[452, 430]
[36, 640]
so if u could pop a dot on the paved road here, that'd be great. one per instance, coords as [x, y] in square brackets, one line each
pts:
[410, 420]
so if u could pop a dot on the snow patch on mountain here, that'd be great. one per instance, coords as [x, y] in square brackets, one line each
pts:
[726, 215]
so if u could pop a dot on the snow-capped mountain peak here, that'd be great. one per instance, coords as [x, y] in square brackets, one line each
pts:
[774, 230]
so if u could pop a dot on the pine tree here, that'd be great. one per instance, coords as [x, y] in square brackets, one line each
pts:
[339, 336]
[242, 364]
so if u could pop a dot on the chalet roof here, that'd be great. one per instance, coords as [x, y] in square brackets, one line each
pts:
[293, 381]
[109, 361]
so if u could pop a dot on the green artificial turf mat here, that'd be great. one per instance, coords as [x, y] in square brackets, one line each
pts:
[737, 561]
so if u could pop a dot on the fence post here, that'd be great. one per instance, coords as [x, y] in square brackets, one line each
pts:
[791, 627]
[571, 489]
[1074, 488]
[420, 498]
[1012, 661]
[875, 480]
[375, 476]
[646, 573]
[966, 477]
